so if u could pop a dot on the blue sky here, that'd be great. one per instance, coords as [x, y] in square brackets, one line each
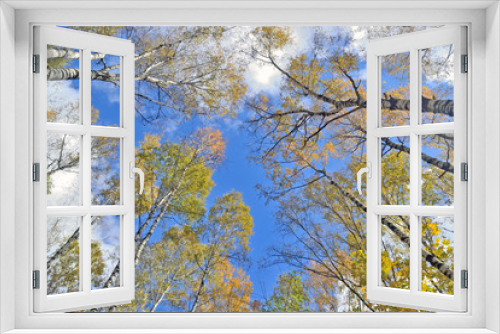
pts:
[237, 171]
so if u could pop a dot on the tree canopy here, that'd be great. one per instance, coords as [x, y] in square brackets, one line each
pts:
[192, 248]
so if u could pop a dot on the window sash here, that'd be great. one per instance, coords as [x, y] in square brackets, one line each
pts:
[413, 42]
[85, 297]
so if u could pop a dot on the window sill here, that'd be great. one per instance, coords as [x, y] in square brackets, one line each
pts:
[251, 331]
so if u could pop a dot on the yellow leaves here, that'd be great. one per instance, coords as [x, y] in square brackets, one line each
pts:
[94, 115]
[179, 175]
[229, 290]
[427, 92]
[150, 141]
[386, 263]
[51, 115]
[233, 220]
[430, 228]
[395, 178]
[273, 37]
[330, 148]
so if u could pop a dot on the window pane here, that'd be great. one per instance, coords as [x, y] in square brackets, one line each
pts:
[437, 254]
[63, 169]
[437, 169]
[395, 252]
[395, 89]
[63, 255]
[105, 251]
[395, 171]
[105, 89]
[437, 84]
[105, 171]
[63, 85]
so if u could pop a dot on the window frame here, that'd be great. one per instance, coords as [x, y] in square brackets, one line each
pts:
[474, 19]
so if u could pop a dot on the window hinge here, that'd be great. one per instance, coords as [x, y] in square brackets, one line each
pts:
[36, 63]
[464, 279]
[36, 172]
[465, 64]
[464, 171]
[36, 279]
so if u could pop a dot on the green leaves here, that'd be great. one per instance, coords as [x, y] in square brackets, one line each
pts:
[290, 295]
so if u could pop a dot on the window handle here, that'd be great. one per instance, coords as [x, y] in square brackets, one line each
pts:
[134, 170]
[368, 171]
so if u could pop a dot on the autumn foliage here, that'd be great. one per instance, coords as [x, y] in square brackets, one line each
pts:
[193, 251]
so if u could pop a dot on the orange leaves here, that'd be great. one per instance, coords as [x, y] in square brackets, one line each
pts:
[323, 290]
[229, 290]
[211, 144]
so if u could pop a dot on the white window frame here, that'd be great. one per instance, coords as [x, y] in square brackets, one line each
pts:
[85, 298]
[484, 46]
[413, 43]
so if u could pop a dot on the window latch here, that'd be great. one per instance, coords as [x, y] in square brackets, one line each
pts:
[132, 171]
[368, 171]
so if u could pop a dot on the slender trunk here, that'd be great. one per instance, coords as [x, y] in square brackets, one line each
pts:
[199, 291]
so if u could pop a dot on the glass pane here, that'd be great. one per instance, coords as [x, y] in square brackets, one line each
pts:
[63, 85]
[395, 171]
[105, 234]
[105, 89]
[63, 169]
[105, 184]
[395, 89]
[63, 255]
[437, 84]
[437, 169]
[437, 254]
[395, 252]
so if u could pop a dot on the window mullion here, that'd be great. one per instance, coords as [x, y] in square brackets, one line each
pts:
[86, 259]
[414, 171]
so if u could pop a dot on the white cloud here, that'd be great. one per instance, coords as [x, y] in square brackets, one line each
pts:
[442, 62]
[359, 41]
[263, 77]
[64, 99]
[59, 93]
[65, 188]
[64, 184]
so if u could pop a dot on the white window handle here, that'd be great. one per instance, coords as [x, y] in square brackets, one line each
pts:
[368, 171]
[134, 170]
